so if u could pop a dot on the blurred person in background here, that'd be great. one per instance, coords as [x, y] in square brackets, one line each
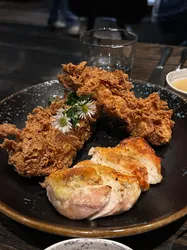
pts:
[60, 16]
[171, 17]
[124, 11]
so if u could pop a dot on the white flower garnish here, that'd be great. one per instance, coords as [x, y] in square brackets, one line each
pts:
[61, 111]
[86, 109]
[62, 122]
[68, 118]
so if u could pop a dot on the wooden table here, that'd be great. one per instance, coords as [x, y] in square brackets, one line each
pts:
[14, 236]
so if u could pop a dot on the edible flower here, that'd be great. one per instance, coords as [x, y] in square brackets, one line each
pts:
[86, 109]
[78, 108]
[62, 122]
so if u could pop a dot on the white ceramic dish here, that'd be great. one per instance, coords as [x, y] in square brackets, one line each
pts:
[88, 244]
[176, 75]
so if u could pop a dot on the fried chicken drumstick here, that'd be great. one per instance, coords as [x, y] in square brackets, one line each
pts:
[39, 148]
[149, 118]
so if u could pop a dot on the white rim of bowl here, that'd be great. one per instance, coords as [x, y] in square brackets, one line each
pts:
[88, 239]
[171, 85]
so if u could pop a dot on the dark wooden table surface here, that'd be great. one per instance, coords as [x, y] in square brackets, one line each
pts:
[36, 57]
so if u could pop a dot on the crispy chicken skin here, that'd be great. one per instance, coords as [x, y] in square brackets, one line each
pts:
[149, 118]
[40, 149]
[87, 80]
[115, 159]
[90, 190]
[109, 183]
[77, 193]
[9, 129]
[131, 156]
[139, 149]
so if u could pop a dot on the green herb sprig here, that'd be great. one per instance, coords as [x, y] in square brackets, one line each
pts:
[78, 108]
[73, 98]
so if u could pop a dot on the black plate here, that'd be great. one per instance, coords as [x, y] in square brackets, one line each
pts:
[25, 201]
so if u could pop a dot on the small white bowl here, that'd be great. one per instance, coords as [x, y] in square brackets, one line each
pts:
[88, 244]
[177, 75]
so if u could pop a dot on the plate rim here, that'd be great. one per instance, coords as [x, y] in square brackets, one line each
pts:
[161, 87]
[91, 233]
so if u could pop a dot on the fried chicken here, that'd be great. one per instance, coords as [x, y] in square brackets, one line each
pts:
[39, 148]
[9, 129]
[149, 118]
[92, 80]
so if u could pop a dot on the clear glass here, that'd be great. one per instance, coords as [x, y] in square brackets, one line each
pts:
[109, 49]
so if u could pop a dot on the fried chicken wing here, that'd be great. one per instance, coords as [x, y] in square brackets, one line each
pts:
[149, 118]
[40, 149]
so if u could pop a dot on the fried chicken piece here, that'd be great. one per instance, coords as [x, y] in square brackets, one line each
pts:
[90, 80]
[149, 118]
[9, 129]
[41, 149]
[91, 191]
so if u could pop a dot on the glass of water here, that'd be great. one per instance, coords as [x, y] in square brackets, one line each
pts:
[109, 49]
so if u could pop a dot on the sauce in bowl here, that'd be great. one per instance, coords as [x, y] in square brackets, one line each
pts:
[180, 84]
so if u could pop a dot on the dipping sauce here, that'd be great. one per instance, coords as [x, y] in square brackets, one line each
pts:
[180, 84]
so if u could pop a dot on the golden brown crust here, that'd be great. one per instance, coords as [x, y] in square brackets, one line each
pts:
[140, 147]
[90, 80]
[75, 177]
[9, 129]
[41, 149]
[64, 182]
[91, 191]
[149, 118]
[114, 158]
[106, 170]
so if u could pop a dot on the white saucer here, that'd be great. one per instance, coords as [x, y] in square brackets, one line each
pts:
[88, 243]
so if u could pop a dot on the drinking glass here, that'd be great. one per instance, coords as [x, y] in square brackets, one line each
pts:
[109, 49]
